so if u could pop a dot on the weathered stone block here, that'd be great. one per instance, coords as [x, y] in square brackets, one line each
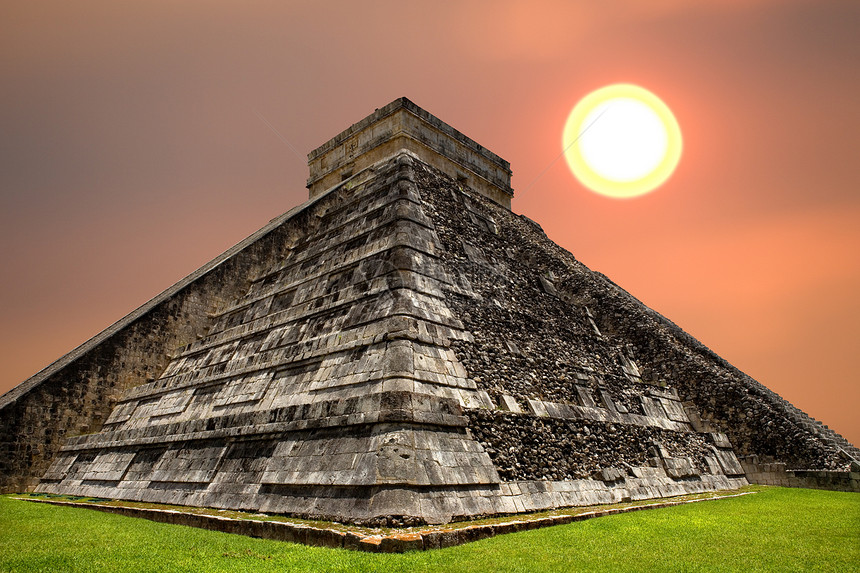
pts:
[509, 404]
[610, 474]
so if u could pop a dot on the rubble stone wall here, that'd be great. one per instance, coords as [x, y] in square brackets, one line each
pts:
[547, 328]
[756, 420]
[525, 447]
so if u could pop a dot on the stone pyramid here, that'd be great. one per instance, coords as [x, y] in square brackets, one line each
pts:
[400, 349]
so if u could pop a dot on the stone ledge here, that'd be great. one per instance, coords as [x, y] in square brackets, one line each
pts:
[364, 539]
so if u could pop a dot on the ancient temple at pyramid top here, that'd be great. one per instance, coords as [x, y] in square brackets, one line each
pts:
[402, 348]
[403, 126]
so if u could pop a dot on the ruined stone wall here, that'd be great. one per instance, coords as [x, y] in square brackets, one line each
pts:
[568, 402]
[523, 447]
[770, 472]
[76, 394]
[757, 420]
[546, 328]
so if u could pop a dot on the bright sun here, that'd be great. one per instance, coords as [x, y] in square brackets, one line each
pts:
[622, 141]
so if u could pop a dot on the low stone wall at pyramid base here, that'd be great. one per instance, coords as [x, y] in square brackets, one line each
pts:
[401, 506]
[769, 472]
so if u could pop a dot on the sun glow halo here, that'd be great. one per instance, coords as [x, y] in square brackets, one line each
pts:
[622, 141]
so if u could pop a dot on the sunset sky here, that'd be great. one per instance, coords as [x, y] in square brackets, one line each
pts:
[132, 151]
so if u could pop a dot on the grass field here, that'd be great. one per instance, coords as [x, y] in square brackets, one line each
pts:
[776, 529]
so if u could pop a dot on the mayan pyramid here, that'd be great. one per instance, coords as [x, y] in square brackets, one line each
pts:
[402, 348]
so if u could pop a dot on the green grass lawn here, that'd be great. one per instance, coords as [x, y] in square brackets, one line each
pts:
[776, 529]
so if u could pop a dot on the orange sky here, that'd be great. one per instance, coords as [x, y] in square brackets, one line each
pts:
[131, 153]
